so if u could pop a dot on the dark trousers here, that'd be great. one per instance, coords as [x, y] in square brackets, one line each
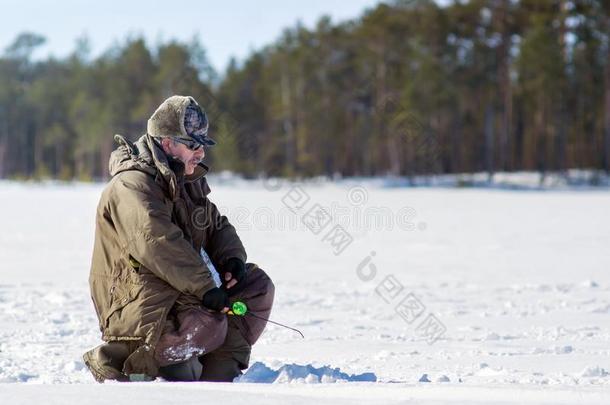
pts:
[198, 344]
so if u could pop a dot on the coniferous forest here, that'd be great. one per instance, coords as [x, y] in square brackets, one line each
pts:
[408, 88]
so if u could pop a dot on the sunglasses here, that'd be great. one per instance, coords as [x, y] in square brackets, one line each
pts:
[192, 145]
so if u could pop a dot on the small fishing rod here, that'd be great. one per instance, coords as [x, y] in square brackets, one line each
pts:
[239, 308]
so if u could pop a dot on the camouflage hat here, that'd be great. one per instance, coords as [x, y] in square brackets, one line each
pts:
[180, 117]
[196, 125]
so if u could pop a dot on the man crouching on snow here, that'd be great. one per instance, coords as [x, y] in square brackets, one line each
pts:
[160, 310]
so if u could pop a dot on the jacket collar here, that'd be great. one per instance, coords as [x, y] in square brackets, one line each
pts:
[148, 156]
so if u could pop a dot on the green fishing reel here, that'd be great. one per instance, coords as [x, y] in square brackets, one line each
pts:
[238, 308]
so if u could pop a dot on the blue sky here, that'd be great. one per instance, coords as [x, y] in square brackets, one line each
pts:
[225, 28]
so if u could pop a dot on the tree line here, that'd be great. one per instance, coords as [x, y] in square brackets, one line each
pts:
[408, 88]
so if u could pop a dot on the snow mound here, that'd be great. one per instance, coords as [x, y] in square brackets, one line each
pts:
[295, 373]
[424, 378]
[595, 371]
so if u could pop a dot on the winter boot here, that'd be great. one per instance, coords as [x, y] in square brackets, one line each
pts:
[105, 362]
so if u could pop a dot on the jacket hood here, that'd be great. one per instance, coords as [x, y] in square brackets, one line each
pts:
[147, 156]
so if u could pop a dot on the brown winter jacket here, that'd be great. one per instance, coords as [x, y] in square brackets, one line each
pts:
[151, 223]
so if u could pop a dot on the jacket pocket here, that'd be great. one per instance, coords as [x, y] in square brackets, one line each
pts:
[121, 295]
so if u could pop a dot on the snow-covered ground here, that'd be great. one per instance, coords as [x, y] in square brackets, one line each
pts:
[445, 295]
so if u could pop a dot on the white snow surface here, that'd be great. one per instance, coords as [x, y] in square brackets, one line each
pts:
[519, 279]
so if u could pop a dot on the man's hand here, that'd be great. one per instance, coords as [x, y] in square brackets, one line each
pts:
[216, 299]
[234, 275]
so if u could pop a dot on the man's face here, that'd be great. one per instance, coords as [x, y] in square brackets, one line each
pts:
[190, 158]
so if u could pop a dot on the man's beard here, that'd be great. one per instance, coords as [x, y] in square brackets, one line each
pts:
[195, 161]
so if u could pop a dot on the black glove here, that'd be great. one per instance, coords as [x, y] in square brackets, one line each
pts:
[237, 268]
[216, 299]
